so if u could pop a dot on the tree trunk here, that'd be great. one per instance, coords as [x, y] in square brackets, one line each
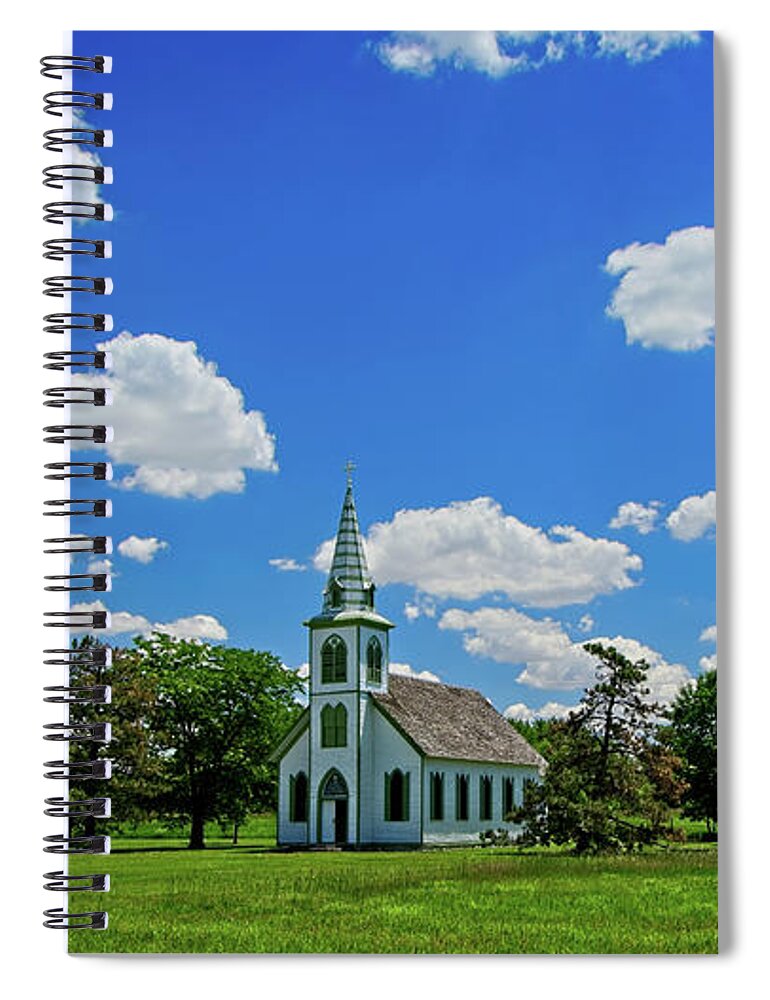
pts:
[196, 833]
[235, 834]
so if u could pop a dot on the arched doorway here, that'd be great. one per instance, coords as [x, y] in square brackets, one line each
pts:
[333, 809]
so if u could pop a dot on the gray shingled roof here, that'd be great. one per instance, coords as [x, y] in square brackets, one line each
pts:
[453, 722]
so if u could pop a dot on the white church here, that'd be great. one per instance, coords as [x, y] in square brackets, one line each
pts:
[379, 758]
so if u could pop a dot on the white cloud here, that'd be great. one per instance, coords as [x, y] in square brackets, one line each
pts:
[128, 623]
[421, 52]
[693, 517]
[586, 623]
[181, 426]
[406, 670]
[471, 548]
[551, 710]
[501, 53]
[287, 565]
[665, 297]
[642, 46]
[421, 607]
[143, 550]
[84, 190]
[549, 658]
[120, 621]
[641, 517]
[709, 634]
[194, 627]
[101, 566]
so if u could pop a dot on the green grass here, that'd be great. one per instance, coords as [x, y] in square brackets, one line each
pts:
[165, 898]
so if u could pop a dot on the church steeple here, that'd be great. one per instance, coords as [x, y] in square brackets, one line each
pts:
[350, 586]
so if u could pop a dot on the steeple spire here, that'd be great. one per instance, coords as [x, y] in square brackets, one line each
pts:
[349, 585]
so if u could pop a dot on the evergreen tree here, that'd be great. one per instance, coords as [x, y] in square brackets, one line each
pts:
[610, 783]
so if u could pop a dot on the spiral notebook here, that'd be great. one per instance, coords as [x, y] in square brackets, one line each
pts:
[382, 407]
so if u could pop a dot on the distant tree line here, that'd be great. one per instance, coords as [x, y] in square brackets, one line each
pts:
[192, 727]
[620, 763]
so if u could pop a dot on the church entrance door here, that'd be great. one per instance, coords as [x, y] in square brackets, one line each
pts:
[340, 821]
[333, 809]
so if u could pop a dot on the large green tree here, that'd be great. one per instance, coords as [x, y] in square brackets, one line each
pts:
[693, 737]
[193, 726]
[610, 782]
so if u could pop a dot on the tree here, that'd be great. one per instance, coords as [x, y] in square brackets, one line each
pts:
[537, 732]
[610, 783]
[138, 778]
[193, 725]
[217, 714]
[693, 737]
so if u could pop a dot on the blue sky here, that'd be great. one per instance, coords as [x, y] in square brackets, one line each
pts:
[402, 249]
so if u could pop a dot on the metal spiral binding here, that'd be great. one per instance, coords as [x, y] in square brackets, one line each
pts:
[69, 105]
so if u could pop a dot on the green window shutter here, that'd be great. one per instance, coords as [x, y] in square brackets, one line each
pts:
[405, 794]
[457, 796]
[291, 799]
[325, 726]
[387, 796]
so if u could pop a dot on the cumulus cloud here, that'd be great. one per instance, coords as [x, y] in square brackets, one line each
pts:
[420, 607]
[183, 427]
[84, 190]
[143, 550]
[551, 710]
[694, 517]
[502, 53]
[194, 627]
[642, 46]
[641, 517]
[586, 623]
[100, 566]
[471, 548]
[128, 623]
[548, 657]
[406, 670]
[665, 297]
[709, 634]
[287, 565]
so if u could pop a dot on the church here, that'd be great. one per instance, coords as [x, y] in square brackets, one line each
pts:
[381, 758]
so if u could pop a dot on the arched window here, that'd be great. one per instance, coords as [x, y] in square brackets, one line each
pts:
[298, 788]
[374, 661]
[485, 797]
[436, 795]
[462, 781]
[508, 793]
[397, 796]
[334, 660]
[334, 726]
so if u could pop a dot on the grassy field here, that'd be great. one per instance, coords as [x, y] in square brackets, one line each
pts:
[250, 898]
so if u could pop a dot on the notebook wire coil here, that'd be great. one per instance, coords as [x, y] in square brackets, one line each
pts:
[77, 732]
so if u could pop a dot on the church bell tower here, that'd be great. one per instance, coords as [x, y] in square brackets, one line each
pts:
[348, 656]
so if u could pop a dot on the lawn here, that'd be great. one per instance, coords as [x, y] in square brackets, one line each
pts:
[250, 898]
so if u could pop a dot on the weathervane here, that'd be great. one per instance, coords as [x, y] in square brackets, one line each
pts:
[349, 466]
